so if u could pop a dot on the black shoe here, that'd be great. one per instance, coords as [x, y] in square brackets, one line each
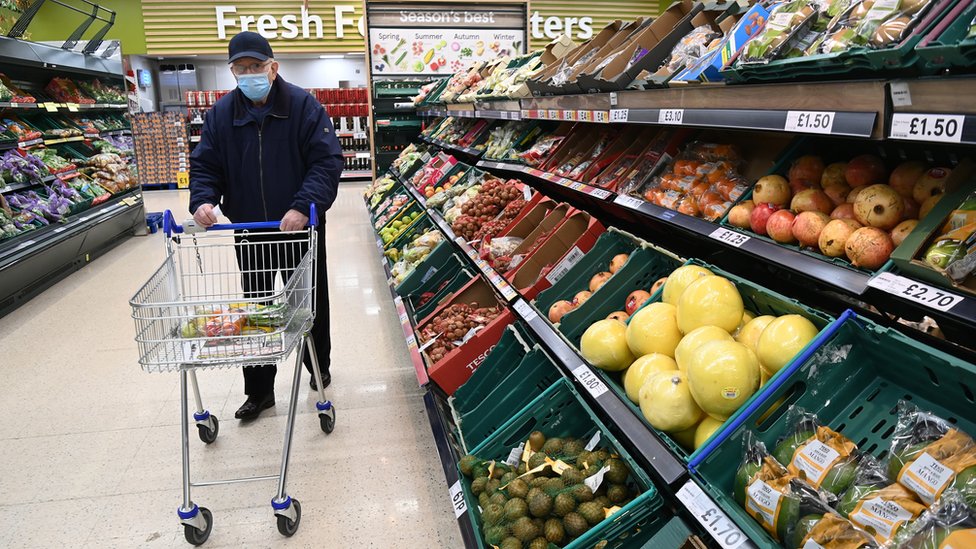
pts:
[253, 406]
[326, 381]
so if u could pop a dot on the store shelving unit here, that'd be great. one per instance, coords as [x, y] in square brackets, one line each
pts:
[35, 260]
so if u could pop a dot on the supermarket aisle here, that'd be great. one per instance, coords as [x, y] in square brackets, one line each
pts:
[90, 443]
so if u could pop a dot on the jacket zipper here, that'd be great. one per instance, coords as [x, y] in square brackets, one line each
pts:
[264, 203]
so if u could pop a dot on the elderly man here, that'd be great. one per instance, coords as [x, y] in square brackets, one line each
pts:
[267, 153]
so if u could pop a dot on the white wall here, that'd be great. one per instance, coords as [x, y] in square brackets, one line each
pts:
[306, 73]
[147, 96]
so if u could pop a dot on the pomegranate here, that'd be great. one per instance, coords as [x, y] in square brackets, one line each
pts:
[834, 236]
[618, 315]
[812, 200]
[599, 279]
[739, 214]
[905, 228]
[834, 175]
[930, 184]
[779, 226]
[617, 262]
[635, 300]
[911, 208]
[759, 217]
[801, 185]
[837, 193]
[853, 196]
[927, 206]
[657, 284]
[807, 227]
[866, 169]
[772, 189]
[869, 248]
[879, 206]
[558, 309]
[807, 169]
[844, 211]
[581, 298]
[903, 177]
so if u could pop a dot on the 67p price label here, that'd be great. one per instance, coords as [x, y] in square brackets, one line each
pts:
[708, 514]
[593, 384]
[944, 128]
[457, 499]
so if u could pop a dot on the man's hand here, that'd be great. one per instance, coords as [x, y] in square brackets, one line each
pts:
[294, 220]
[205, 216]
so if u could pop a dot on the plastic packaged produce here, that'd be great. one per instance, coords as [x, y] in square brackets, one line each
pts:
[886, 22]
[764, 488]
[67, 91]
[785, 21]
[949, 524]
[820, 526]
[876, 504]
[928, 455]
[15, 168]
[539, 151]
[817, 454]
[703, 181]
[690, 48]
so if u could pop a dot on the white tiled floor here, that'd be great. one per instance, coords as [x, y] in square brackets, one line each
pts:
[89, 444]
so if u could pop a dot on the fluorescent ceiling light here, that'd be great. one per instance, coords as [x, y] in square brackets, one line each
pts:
[331, 56]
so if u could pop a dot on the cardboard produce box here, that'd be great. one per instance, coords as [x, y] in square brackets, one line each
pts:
[554, 52]
[577, 60]
[709, 67]
[551, 259]
[456, 367]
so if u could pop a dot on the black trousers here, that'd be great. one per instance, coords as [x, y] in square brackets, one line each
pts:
[259, 263]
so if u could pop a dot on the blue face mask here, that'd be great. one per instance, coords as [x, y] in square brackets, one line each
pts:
[254, 86]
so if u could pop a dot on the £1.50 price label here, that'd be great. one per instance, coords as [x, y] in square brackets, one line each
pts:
[457, 499]
[944, 128]
[810, 121]
[922, 294]
[593, 384]
[734, 238]
[708, 514]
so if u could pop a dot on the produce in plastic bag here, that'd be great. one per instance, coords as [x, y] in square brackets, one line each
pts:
[949, 524]
[928, 454]
[536, 154]
[878, 505]
[764, 489]
[821, 527]
[691, 47]
[816, 453]
[785, 20]
[885, 22]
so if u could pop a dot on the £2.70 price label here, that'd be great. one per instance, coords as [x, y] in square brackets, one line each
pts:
[944, 128]
[809, 121]
[923, 294]
[708, 514]
[457, 499]
[593, 384]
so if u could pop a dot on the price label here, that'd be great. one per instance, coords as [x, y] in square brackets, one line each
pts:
[51, 107]
[553, 114]
[359, 135]
[183, 179]
[918, 292]
[577, 186]
[72, 107]
[569, 115]
[457, 499]
[734, 238]
[670, 116]
[601, 116]
[362, 155]
[515, 455]
[593, 384]
[525, 310]
[600, 193]
[613, 99]
[593, 442]
[708, 514]
[584, 116]
[629, 201]
[809, 121]
[527, 114]
[411, 342]
[619, 115]
[944, 128]
[527, 192]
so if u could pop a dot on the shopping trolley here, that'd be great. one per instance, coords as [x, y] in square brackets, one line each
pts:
[193, 314]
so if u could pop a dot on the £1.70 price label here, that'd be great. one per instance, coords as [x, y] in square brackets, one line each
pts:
[457, 499]
[708, 514]
[809, 121]
[944, 128]
[593, 384]
[729, 237]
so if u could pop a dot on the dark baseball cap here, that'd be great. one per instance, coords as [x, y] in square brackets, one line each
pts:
[249, 44]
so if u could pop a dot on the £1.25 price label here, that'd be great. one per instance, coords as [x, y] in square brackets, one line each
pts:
[593, 384]
[733, 238]
[709, 515]
[943, 128]
[457, 499]
[810, 121]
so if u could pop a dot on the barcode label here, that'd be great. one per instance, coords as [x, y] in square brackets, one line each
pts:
[563, 267]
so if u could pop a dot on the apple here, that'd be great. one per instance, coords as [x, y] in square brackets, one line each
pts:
[779, 226]
[807, 227]
[772, 189]
[812, 200]
[635, 300]
[760, 216]
[739, 214]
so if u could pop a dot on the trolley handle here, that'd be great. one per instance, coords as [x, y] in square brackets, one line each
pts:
[170, 226]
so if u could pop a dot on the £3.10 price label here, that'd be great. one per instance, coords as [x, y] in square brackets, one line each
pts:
[593, 384]
[457, 499]
[708, 514]
[729, 237]
[944, 128]
[923, 294]
[670, 116]
[809, 121]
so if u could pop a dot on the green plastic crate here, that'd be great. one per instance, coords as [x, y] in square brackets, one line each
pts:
[672, 535]
[506, 355]
[517, 383]
[853, 383]
[952, 47]
[441, 260]
[414, 230]
[577, 279]
[559, 411]
[450, 283]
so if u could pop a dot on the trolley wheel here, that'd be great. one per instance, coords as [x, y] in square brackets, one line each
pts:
[199, 537]
[327, 421]
[208, 435]
[288, 527]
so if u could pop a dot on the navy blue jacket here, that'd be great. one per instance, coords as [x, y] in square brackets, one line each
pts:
[259, 173]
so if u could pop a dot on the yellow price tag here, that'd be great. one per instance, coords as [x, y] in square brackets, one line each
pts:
[72, 107]
[51, 107]
[183, 180]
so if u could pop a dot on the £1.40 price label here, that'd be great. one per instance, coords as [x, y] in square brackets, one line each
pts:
[457, 499]
[708, 514]
[944, 128]
[593, 384]
[734, 238]
[809, 121]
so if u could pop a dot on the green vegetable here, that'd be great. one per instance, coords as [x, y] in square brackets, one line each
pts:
[400, 59]
[803, 527]
[785, 450]
[943, 251]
